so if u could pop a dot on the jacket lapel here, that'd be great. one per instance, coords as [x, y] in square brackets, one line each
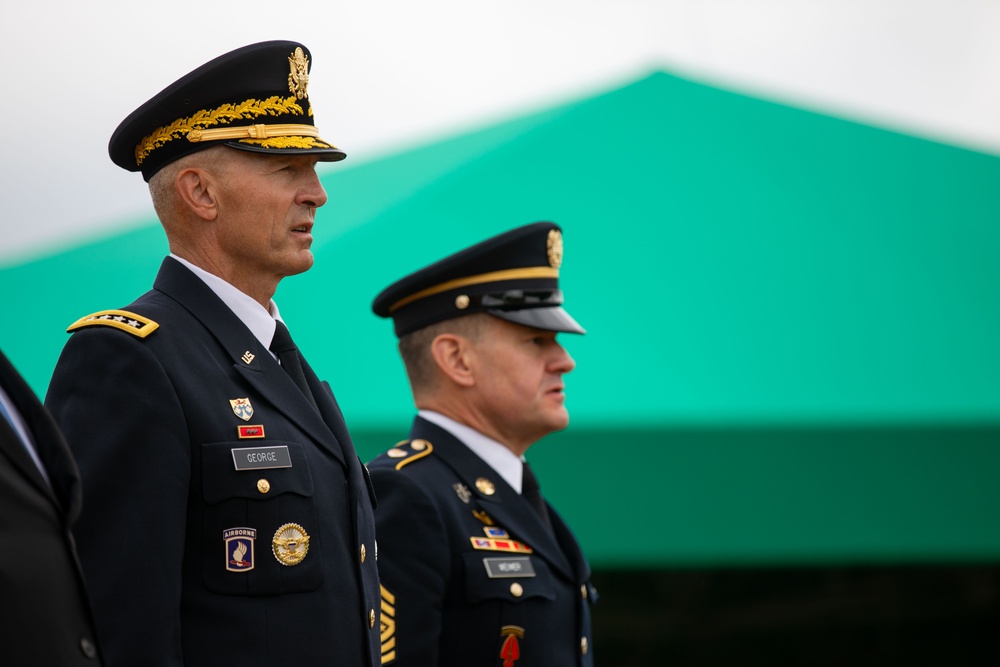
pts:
[511, 512]
[65, 491]
[250, 359]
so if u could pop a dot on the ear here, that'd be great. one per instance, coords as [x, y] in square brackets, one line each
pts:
[196, 189]
[454, 358]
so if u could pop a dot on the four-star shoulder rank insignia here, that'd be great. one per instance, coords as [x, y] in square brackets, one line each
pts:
[137, 325]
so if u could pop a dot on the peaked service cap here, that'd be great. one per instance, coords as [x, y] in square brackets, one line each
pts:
[254, 98]
[513, 276]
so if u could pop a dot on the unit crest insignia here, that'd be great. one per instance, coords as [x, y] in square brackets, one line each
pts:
[242, 408]
[510, 651]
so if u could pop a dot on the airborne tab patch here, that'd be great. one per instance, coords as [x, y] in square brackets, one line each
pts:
[137, 325]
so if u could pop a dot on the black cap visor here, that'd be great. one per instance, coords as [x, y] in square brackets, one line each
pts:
[547, 319]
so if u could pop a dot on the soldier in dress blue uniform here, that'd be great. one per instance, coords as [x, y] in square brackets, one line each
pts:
[476, 568]
[228, 519]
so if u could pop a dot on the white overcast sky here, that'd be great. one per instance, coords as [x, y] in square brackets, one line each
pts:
[392, 74]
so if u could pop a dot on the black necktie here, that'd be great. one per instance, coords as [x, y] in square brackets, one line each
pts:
[533, 494]
[283, 346]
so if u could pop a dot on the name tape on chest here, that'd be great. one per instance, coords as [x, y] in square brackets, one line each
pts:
[262, 458]
[505, 568]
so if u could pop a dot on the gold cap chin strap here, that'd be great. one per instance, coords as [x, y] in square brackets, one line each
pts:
[253, 132]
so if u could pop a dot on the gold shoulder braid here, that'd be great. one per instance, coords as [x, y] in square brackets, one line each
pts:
[410, 451]
[137, 325]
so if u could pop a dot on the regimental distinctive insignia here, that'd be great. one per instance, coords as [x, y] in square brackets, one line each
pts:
[490, 544]
[388, 625]
[485, 486]
[510, 650]
[483, 516]
[298, 77]
[245, 432]
[462, 491]
[137, 325]
[554, 248]
[290, 544]
[247, 357]
[239, 548]
[495, 532]
[242, 408]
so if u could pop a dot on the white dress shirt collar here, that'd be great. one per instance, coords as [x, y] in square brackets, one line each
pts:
[506, 463]
[258, 319]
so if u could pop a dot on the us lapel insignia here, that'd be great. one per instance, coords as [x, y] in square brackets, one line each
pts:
[242, 408]
[462, 491]
[510, 651]
[247, 357]
[239, 548]
[485, 486]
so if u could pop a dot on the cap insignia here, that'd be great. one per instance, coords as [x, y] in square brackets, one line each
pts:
[554, 247]
[298, 78]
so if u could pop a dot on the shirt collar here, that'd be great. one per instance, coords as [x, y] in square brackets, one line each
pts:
[258, 319]
[506, 463]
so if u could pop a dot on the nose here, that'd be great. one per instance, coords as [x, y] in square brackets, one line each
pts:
[562, 362]
[312, 193]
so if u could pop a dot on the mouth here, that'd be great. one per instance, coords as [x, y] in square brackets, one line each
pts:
[304, 228]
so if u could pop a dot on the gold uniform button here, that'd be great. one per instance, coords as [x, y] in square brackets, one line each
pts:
[263, 485]
[583, 591]
[584, 646]
[362, 553]
[371, 618]
[516, 589]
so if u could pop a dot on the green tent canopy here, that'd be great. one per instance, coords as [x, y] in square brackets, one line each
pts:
[792, 354]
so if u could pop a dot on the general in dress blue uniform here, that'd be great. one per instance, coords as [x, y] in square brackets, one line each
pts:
[476, 567]
[228, 520]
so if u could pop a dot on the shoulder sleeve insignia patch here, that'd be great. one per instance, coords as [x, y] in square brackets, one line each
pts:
[388, 625]
[414, 450]
[137, 325]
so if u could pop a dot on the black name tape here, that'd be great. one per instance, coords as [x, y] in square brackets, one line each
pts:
[262, 458]
[501, 568]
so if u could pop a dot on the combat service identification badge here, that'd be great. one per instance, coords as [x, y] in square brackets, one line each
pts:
[242, 408]
[290, 544]
[510, 650]
[239, 548]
